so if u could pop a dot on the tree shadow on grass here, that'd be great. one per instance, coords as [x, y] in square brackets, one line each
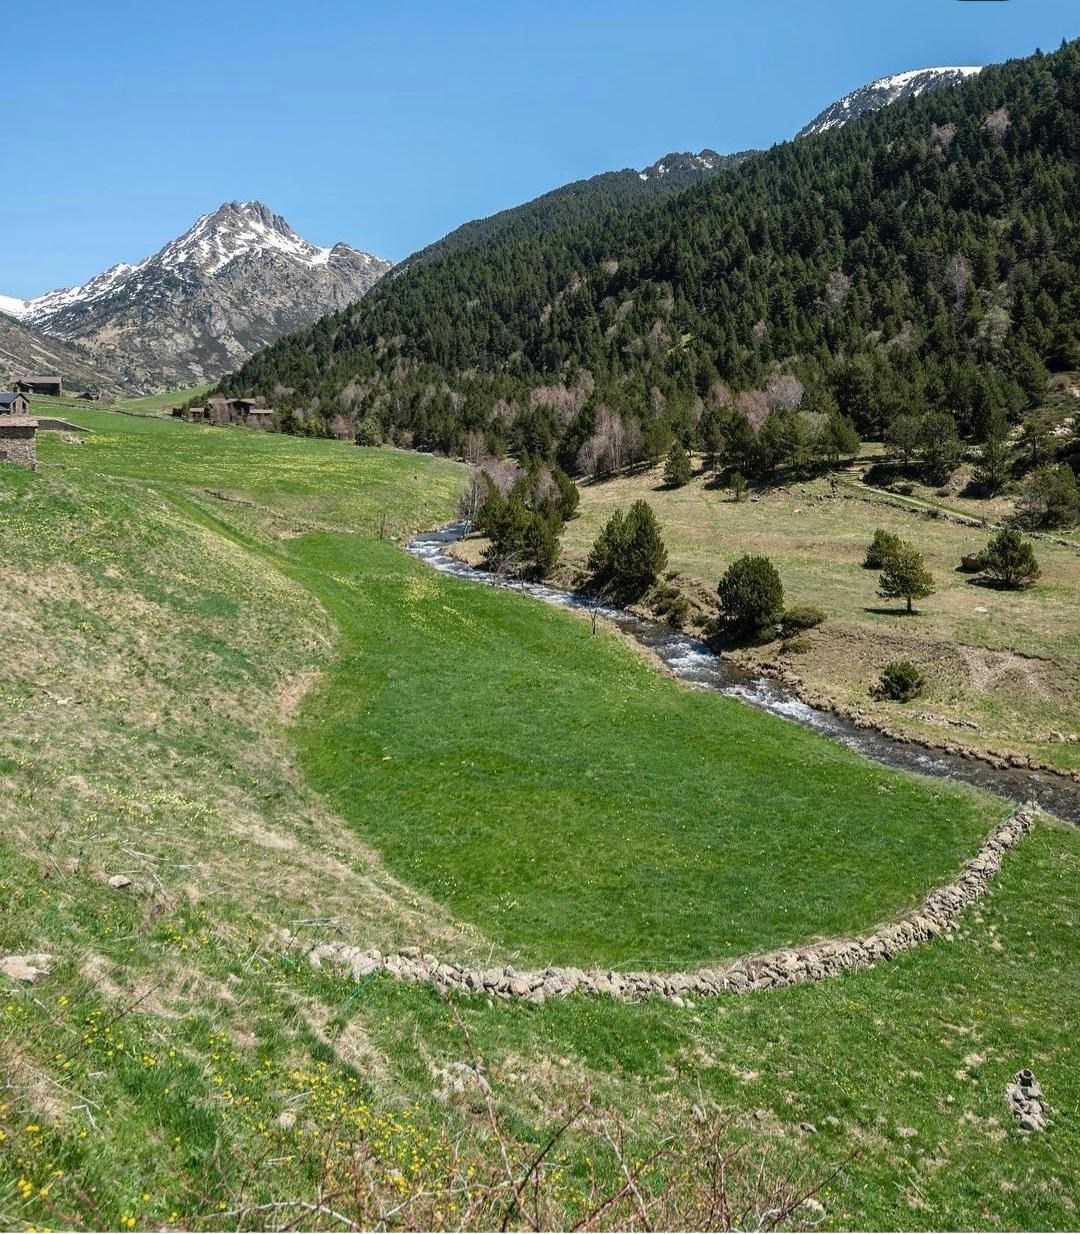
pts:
[995, 584]
[890, 612]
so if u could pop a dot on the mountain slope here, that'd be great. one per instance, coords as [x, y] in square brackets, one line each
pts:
[582, 200]
[239, 278]
[882, 93]
[923, 255]
[24, 349]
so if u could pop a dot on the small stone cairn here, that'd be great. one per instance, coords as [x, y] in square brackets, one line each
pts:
[786, 966]
[1025, 1100]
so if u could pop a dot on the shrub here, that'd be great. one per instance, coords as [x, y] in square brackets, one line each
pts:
[737, 484]
[879, 548]
[904, 575]
[802, 617]
[1010, 561]
[368, 432]
[1049, 498]
[668, 603]
[900, 682]
[796, 646]
[677, 467]
[751, 594]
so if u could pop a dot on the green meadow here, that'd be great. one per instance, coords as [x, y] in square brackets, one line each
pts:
[230, 690]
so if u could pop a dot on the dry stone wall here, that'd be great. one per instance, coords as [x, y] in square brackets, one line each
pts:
[786, 966]
[18, 443]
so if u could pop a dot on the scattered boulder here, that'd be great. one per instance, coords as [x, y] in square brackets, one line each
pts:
[119, 881]
[457, 1077]
[26, 968]
[1025, 1100]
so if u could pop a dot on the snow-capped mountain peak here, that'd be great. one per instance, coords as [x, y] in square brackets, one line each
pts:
[236, 229]
[238, 278]
[886, 90]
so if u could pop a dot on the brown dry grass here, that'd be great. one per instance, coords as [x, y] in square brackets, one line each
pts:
[1007, 663]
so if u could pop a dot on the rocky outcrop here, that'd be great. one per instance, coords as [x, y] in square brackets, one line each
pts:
[785, 966]
[26, 349]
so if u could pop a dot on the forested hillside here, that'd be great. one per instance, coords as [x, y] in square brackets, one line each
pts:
[925, 257]
[582, 200]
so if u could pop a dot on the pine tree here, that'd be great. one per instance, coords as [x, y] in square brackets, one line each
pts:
[904, 575]
[751, 594]
[1009, 559]
[645, 555]
[677, 468]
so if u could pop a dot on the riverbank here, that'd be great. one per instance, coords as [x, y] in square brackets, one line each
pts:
[1002, 667]
[688, 658]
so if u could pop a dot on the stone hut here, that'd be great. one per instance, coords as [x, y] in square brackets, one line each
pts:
[259, 417]
[31, 384]
[14, 403]
[18, 440]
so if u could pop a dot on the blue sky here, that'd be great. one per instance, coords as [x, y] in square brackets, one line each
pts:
[387, 124]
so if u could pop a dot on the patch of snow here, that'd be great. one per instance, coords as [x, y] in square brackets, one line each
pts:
[13, 306]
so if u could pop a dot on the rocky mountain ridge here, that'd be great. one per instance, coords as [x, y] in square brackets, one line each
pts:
[883, 92]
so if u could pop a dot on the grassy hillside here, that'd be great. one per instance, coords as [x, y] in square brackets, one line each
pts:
[204, 616]
[164, 400]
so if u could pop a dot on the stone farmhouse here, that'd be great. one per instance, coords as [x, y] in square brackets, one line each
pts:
[40, 385]
[222, 410]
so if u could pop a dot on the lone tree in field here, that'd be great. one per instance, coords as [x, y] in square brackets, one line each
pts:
[904, 575]
[1010, 561]
[751, 594]
[677, 467]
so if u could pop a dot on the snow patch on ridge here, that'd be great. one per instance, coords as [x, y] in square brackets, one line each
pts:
[13, 306]
[885, 90]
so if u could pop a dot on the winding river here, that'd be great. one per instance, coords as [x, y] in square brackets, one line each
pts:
[693, 661]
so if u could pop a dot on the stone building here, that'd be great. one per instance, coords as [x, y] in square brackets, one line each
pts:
[18, 440]
[39, 384]
[14, 403]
